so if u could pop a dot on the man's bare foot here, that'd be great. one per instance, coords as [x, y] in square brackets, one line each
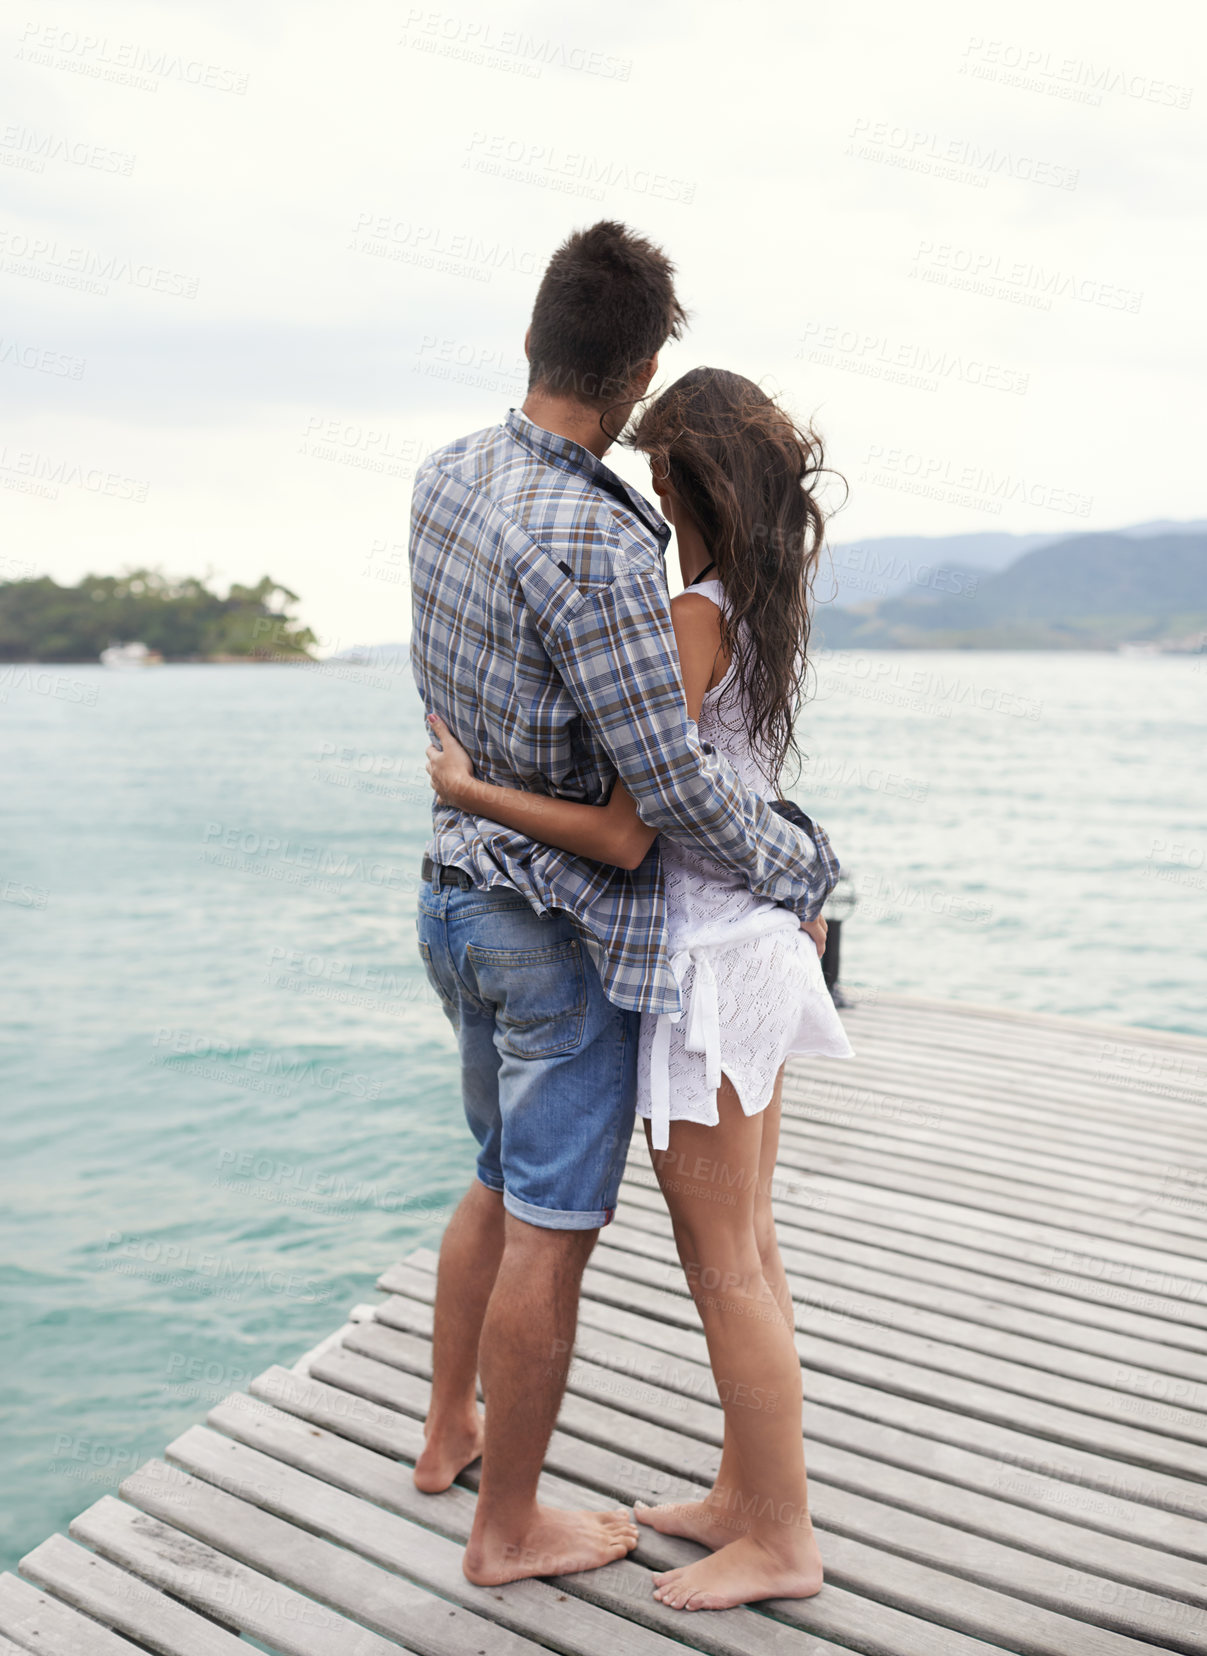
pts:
[744, 1572]
[447, 1451]
[551, 1543]
[705, 1521]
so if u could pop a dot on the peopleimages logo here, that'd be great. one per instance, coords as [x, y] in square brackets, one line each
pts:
[1036, 69]
[46, 260]
[996, 275]
[472, 41]
[125, 62]
[935, 476]
[920, 367]
[554, 167]
[960, 160]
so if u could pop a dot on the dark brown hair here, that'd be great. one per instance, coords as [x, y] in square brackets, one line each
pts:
[606, 303]
[749, 475]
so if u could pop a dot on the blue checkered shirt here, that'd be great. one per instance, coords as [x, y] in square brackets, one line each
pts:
[542, 636]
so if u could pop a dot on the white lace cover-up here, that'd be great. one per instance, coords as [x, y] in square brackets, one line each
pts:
[753, 990]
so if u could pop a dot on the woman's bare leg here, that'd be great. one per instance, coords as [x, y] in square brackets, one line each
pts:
[756, 1516]
[773, 1266]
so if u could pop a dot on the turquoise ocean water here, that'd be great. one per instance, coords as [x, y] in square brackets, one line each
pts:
[229, 1099]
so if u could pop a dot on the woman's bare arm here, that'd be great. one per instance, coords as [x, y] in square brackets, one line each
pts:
[611, 833]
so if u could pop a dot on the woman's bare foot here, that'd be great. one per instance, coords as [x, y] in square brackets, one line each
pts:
[744, 1572]
[551, 1543]
[448, 1450]
[706, 1522]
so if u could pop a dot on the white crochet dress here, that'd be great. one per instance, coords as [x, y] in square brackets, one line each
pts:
[753, 991]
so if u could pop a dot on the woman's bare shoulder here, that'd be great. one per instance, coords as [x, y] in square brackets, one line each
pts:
[697, 611]
[697, 623]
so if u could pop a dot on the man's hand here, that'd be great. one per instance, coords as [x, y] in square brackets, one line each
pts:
[817, 931]
[448, 766]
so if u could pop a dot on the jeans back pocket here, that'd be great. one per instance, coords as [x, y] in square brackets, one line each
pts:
[539, 995]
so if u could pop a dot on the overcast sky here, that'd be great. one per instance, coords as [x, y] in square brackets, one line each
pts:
[256, 261]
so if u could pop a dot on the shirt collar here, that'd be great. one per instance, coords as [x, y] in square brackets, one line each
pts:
[572, 457]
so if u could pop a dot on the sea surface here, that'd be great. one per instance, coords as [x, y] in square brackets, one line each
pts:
[229, 1097]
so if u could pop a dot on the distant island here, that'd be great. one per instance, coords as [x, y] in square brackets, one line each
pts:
[1143, 588]
[1086, 592]
[180, 620]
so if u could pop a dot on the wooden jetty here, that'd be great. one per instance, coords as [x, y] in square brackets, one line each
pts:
[995, 1225]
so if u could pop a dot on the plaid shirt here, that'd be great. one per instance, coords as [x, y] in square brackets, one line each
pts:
[542, 636]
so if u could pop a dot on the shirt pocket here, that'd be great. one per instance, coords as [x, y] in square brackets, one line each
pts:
[539, 996]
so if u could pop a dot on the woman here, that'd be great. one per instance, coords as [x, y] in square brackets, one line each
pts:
[737, 479]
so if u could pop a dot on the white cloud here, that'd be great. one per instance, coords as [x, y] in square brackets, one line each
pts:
[869, 213]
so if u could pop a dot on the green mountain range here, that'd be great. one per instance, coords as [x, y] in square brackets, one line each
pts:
[1087, 592]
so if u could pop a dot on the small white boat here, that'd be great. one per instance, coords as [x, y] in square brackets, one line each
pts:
[130, 655]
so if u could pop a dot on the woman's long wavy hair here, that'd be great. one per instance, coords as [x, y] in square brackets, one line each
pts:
[749, 475]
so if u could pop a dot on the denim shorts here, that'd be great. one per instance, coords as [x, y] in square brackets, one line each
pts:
[548, 1063]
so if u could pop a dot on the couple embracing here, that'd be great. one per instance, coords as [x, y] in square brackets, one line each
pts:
[619, 915]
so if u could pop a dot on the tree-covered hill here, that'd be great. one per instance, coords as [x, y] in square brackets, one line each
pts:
[182, 619]
[1089, 592]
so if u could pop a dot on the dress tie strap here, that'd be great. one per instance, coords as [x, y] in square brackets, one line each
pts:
[703, 1034]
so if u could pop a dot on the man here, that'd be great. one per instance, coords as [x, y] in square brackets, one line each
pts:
[542, 635]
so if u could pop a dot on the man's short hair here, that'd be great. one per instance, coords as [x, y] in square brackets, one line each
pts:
[606, 303]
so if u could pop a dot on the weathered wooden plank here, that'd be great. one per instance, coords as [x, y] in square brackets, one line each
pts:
[1130, 1079]
[864, 1625]
[924, 1230]
[125, 1602]
[1125, 1096]
[397, 1430]
[584, 1614]
[1034, 1157]
[37, 1621]
[982, 1566]
[1007, 1438]
[240, 1524]
[1024, 1307]
[1085, 1272]
[1038, 1496]
[1109, 1216]
[869, 1626]
[891, 1359]
[1009, 1022]
[1100, 1189]
[625, 1478]
[914, 1084]
[951, 1022]
[916, 1473]
[375, 1476]
[850, 1491]
[871, 1091]
[1131, 1076]
[1065, 1243]
[1086, 1353]
[392, 1539]
[1067, 1057]
[839, 1619]
[1161, 1509]
[1001, 1296]
[219, 1585]
[1141, 1199]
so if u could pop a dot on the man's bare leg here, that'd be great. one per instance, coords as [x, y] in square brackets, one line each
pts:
[525, 1350]
[469, 1258]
